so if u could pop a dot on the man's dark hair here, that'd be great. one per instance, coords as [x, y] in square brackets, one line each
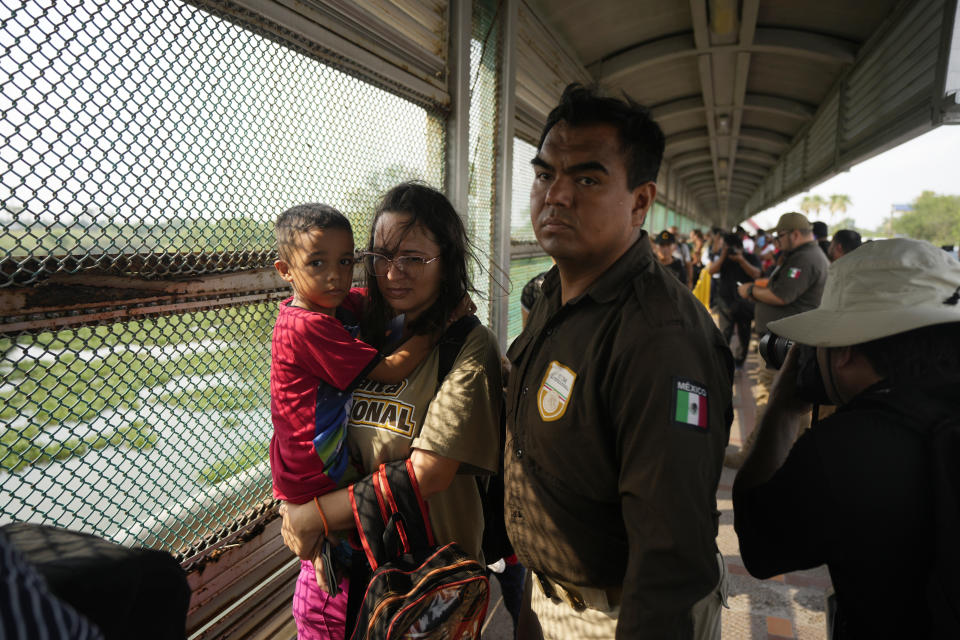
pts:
[641, 139]
[848, 239]
[717, 231]
[820, 230]
[928, 352]
[303, 217]
[429, 208]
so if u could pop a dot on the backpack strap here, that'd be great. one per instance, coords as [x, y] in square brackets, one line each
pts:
[390, 514]
[452, 342]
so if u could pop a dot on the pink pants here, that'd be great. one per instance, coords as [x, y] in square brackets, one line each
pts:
[319, 615]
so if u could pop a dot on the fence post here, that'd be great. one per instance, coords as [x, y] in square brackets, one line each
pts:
[458, 122]
[500, 279]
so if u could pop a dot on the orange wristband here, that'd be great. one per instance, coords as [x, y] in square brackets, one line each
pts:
[326, 528]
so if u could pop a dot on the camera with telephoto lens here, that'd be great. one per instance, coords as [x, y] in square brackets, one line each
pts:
[773, 349]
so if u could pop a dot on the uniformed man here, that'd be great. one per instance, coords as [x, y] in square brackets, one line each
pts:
[794, 287]
[619, 403]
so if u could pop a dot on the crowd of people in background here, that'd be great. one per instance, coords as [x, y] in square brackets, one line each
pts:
[697, 250]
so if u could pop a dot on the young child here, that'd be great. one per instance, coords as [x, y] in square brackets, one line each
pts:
[316, 362]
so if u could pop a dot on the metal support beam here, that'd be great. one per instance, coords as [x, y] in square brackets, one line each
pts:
[499, 275]
[949, 38]
[690, 158]
[779, 106]
[94, 298]
[757, 156]
[458, 123]
[690, 172]
[748, 31]
[787, 42]
[410, 70]
[753, 169]
[763, 103]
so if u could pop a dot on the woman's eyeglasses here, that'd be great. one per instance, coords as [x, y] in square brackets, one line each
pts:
[377, 265]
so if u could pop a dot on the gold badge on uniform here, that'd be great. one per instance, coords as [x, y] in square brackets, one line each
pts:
[555, 390]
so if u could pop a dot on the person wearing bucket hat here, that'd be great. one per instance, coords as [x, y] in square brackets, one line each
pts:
[794, 287]
[870, 490]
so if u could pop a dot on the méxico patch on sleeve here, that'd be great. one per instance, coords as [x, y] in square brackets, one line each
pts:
[689, 408]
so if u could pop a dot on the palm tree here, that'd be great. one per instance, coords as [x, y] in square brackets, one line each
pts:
[838, 204]
[812, 203]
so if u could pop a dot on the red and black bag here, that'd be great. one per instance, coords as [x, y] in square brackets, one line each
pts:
[417, 589]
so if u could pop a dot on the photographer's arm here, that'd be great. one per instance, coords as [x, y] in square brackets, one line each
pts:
[714, 266]
[749, 269]
[784, 419]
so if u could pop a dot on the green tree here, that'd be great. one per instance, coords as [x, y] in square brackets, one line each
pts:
[850, 223]
[360, 203]
[935, 218]
[846, 223]
[812, 204]
[839, 202]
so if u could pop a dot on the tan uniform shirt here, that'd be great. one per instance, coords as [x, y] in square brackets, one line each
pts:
[618, 414]
[460, 421]
[798, 281]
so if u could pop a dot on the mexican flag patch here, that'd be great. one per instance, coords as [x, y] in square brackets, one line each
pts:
[690, 404]
[793, 273]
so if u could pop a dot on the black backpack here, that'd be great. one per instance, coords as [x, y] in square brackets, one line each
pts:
[417, 589]
[942, 434]
[938, 424]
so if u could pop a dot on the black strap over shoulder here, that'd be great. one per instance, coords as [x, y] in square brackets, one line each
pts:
[391, 516]
[452, 342]
[495, 543]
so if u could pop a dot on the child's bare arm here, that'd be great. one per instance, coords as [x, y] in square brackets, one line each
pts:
[401, 363]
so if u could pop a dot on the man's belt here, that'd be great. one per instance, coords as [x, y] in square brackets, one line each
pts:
[578, 597]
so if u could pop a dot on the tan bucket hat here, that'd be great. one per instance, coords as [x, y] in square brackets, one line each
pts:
[882, 288]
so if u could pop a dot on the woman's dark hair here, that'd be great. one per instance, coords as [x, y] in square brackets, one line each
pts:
[923, 353]
[429, 208]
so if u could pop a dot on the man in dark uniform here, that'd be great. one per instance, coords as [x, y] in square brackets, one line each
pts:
[665, 243]
[735, 267]
[795, 286]
[857, 490]
[619, 402]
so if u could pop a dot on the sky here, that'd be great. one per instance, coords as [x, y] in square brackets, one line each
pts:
[930, 162]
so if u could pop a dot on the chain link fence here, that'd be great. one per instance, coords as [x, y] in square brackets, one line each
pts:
[522, 271]
[521, 228]
[153, 140]
[485, 50]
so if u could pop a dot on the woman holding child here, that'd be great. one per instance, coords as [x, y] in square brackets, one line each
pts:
[416, 267]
